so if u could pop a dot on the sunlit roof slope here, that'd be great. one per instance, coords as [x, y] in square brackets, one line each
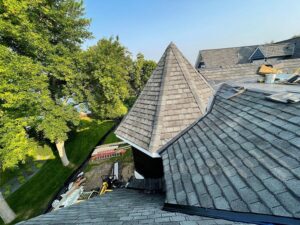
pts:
[243, 156]
[175, 95]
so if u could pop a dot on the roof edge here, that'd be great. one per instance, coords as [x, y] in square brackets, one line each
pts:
[242, 46]
[151, 154]
[247, 217]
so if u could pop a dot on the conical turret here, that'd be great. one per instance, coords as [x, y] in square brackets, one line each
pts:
[173, 98]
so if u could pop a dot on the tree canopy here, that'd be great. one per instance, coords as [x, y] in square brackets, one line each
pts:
[23, 89]
[107, 67]
[43, 69]
[44, 74]
[40, 41]
[142, 70]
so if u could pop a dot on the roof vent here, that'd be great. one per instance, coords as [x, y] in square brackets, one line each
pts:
[284, 97]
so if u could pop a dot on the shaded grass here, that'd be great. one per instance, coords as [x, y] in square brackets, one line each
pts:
[9, 174]
[33, 197]
[111, 138]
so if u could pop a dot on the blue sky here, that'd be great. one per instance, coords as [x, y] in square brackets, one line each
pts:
[148, 26]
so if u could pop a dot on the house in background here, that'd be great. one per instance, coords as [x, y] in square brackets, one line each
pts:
[257, 54]
[241, 64]
[173, 98]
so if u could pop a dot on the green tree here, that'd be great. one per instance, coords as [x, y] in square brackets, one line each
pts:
[142, 70]
[107, 66]
[39, 42]
[23, 89]
[50, 33]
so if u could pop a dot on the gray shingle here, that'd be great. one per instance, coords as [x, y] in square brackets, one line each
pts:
[238, 56]
[122, 206]
[174, 96]
[221, 203]
[242, 167]
[239, 206]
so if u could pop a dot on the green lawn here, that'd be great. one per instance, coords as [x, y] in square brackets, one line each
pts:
[33, 197]
[111, 138]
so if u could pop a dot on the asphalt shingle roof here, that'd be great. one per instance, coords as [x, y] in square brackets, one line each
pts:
[239, 72]
[243, 156]
[175, 95]
[215, 58]
[273, 50]
[243, 73]
[122, 206]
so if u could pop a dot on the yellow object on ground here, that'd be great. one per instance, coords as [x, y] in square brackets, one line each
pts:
[263, 70]
[104, 188]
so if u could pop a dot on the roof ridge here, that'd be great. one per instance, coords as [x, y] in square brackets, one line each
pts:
[213, 49]
[196, 71]
[245, 46]
[182, 62]
[188, 78]
[175, 97]
[209, 108]
[156, 129]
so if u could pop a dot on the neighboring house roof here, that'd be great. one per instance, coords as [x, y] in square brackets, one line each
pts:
[122, 206]
[174, 96]
[245, 72]
[230, 73]
[243, 156]
[214, 58]
[296, 42]
[275, 50]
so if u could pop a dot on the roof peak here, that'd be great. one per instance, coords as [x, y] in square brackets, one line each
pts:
[174, 96]
[172, 45]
